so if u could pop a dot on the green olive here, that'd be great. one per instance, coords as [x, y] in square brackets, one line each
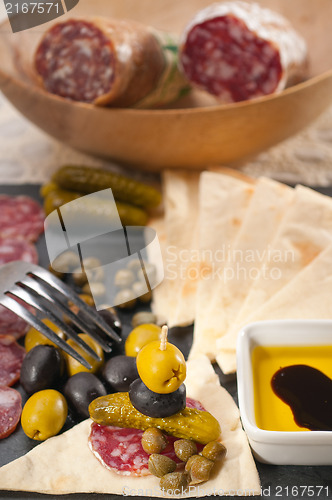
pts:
[34, 337]
[139, 337]
[74, 366]
[161, 370]
[44, 414]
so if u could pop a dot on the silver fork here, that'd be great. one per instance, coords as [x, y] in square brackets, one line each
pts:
[50, 298]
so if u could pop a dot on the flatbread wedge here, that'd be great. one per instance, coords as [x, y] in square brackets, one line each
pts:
[306, 231]
[65, 464]
[306, 296]
[242, 261]
[223, 201]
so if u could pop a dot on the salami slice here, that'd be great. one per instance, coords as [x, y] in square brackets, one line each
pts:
[119, 449]
[10, 410]
[21, 218]
[13, 249]
[238, 51]
[105, 61]
[10, 324]
[11, 358]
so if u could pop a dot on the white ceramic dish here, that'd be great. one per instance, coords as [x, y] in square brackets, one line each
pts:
[274, 447]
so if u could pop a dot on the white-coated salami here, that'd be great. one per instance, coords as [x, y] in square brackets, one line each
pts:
[10, 410]
[238, 51]
[109, 62]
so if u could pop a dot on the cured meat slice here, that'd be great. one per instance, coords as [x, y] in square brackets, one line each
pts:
[10, 410]
[119, 449]
[10, 324]
[21, 217]
[238, 51]
[105, 61]
[11, 358]
[12, 249]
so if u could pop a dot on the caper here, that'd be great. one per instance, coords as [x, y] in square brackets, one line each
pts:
[214, 451]
[184, 449]
[199, 468]
[159, 465]
[175, 482]
[142, 318]
[66, 262]
[150, 271]
[95, 289]
[153, 440]
[79, 277]
[124, 278]
[135, 265]
[95, 275]
[125, 299]
[139, 289]
[91, 262]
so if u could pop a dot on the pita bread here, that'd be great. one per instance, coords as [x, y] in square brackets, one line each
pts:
[181, 220]
[307, 296]
[65, 464]
[226, 291]
[304, 233]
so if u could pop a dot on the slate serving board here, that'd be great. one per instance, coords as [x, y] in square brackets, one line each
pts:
[277, 481]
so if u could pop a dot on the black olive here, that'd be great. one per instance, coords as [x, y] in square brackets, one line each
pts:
[119, 372]
[156, 405]
[111, 318]
[80, 390]
[41, 369]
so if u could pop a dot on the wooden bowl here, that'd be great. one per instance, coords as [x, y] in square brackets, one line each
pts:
[195, 133]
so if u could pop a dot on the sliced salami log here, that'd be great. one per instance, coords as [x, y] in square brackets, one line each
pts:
[21, 218]
[119, 449]
[12, 249]
[105, 61]
[11, 358]
[238, 51]
[10, 410]
[10, 324]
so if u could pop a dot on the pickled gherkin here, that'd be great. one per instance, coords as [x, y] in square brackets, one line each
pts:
[96, 210]
[116, 409]
[89, 180]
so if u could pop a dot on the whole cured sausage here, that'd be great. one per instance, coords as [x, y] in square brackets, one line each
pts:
[238, 51]
[105, 61]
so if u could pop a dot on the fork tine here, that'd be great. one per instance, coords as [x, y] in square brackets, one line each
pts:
[40, 291]
[52, 282]
[39, 304]
[12, 305]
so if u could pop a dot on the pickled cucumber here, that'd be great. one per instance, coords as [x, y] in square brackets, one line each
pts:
[129, 215]
[116, 409]
[90, 180]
